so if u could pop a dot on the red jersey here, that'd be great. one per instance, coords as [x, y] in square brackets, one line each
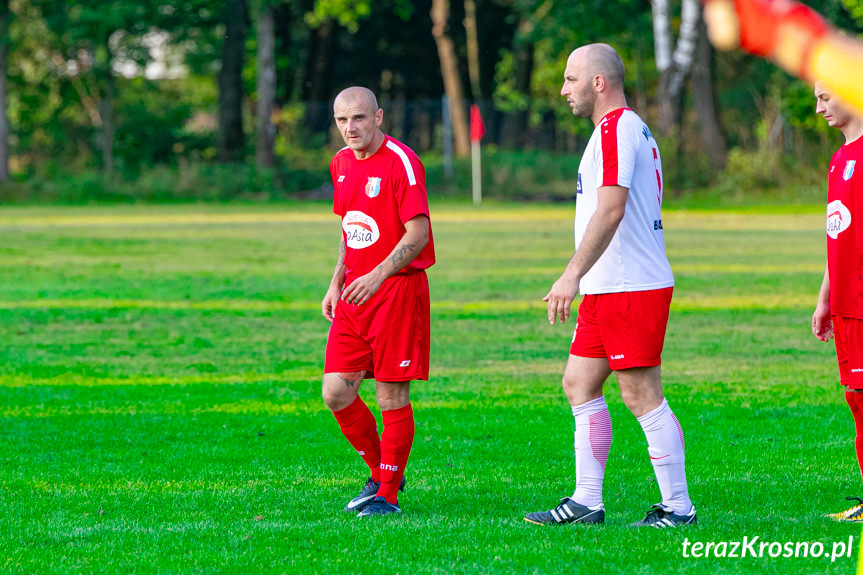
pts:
[375, 197]
[845, 230]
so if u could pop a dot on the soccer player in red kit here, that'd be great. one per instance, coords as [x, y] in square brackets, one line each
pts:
[378, 299]
[621, 270]
[839, 311]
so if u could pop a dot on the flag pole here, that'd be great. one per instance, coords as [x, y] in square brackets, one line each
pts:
[477, 130]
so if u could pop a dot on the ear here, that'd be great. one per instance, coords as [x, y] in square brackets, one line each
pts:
[598, 83]
[379, 117]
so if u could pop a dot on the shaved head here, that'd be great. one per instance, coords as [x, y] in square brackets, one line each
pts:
[358, 118]
[602, 60]
[357, 96]
[593, 81]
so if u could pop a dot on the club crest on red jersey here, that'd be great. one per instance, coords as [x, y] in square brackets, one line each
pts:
[373, 187]
[849, 170]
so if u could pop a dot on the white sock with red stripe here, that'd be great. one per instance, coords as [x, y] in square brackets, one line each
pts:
[666, 448]
[592, 442]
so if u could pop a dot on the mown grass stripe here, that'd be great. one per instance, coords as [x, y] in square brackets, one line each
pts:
[679, 303]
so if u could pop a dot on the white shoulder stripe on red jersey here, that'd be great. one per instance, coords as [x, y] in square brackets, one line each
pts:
[407, 163]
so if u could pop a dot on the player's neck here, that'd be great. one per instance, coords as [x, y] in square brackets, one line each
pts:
[853, 130]
[609, 105]
[376, 144]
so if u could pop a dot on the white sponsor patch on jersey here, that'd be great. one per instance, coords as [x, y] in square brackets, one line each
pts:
[361, 231]
[838, 218]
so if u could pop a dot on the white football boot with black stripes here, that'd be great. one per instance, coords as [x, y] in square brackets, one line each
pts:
[568, 511]
[662, 517]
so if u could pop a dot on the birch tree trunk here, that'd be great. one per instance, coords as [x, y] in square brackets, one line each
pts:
[451, 79]
[673, 66]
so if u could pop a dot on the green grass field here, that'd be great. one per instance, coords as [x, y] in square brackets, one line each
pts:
[160, 382]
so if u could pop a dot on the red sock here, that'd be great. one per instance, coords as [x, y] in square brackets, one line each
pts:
[396, 441]
[359, 426]
[855, 402]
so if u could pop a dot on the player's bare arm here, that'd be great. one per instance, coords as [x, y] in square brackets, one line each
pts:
[328, 306]
[609, 213]
[412, 243]
[822, 324]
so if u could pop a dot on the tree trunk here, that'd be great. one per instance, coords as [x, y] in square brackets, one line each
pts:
[266, 88]
[231, 136]
[704, 101]
[106, 111]
[5, 16]
[472, 48]
[451, 79]
[284, 74]
[515, 125]
[318, 76]
[673, 67]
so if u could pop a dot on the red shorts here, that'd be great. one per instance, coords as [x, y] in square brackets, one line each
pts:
[388, 336]
[848, 335]
[626, 328]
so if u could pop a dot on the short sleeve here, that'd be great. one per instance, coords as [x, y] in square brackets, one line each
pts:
[409, 178]
[619, 145]
[337, 203]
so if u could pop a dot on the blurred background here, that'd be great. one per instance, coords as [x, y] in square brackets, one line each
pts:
[206, 100]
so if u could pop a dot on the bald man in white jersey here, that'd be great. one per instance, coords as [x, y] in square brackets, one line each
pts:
[621, 270]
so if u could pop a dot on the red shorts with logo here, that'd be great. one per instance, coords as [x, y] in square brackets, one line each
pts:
[388, 336]
[848, 335]
[627, 328]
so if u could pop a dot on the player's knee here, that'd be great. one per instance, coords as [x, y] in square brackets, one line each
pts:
[568, 383]
[335, 397]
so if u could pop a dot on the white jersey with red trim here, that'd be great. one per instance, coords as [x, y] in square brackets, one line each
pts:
[622, 152]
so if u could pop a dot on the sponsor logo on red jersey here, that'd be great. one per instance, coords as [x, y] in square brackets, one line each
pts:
[361, 231]
[838, 218]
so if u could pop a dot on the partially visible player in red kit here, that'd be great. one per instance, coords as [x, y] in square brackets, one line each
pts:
[839, 311]
[378, 299]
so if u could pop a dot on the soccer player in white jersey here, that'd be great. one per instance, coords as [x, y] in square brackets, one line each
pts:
[621, 270]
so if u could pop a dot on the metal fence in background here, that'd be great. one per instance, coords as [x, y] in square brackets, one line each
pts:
[424, 126]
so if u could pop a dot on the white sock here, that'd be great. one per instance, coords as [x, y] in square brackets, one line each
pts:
[592, 442]
[666, 448]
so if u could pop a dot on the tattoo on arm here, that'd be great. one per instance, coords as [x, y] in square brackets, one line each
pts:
[399, 255]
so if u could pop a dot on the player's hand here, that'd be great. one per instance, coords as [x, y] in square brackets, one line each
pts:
[328, 306]
[362, 288]
[560, 298]
[822, 325]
